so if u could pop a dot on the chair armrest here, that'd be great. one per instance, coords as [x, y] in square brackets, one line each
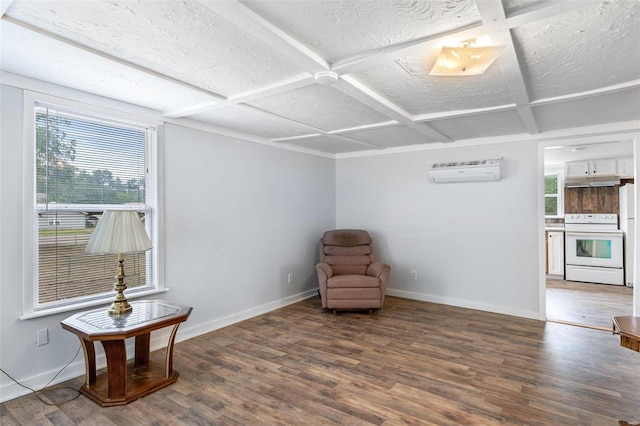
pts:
[324, 268]
[380, 271]
[376, 269]
[324, 273]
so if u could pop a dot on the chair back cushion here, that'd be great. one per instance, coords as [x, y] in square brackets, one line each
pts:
[348, 251]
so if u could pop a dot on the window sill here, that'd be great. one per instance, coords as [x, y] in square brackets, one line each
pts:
[88, 304]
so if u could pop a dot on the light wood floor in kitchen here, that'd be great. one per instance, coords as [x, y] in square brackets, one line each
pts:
[411, 362]
[587, 304]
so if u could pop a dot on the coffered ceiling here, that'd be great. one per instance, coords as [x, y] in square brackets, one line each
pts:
[247, 67]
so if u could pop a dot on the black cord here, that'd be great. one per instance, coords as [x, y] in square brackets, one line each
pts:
[46, 387]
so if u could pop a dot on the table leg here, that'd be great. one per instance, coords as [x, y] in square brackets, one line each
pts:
[169, 356]
[116, 354]
[142, 349]
[89, 361]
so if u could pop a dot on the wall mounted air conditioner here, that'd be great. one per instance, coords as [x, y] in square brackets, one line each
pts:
[467, 171]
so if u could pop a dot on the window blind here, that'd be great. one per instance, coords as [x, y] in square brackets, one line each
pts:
[83, 166]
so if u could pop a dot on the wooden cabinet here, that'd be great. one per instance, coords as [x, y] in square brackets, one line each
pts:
[625, 168]
[555, 253]
[603, 167]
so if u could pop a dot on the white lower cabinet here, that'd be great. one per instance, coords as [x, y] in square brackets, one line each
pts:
[555, 253]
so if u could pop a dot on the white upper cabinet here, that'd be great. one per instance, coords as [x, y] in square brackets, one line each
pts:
[606, 167]
[577, 169]
[603, 167]
[625, 168]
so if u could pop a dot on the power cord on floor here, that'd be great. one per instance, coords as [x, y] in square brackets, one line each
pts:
[46, 387]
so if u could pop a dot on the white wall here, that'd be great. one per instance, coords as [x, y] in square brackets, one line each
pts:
[238, 217]
[636, 279]
[472, 244]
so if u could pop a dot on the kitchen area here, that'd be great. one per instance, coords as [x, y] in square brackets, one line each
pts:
[589, 229]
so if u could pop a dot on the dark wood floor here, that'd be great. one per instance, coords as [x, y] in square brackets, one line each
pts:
[409, 363]
[587, 303]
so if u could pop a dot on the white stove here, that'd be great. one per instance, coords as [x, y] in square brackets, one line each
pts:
[593, 245]
[591, 222]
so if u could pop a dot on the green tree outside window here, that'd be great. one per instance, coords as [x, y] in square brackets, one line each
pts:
[551, 195]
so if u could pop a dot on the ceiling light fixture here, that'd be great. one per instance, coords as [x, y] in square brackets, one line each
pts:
[469, 57]
[326, 78]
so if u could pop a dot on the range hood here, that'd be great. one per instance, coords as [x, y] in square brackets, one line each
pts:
[593, 181]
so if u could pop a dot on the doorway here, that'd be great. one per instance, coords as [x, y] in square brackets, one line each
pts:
[581, 303]
[587, 304]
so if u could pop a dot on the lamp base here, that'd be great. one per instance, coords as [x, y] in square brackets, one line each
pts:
[120, 305]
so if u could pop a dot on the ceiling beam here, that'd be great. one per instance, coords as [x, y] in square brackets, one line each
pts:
[272, 90]
[539, 11]
[249, 21]
[281, 119]
[296, 138]
[364, 127]
[263, 92]
[253, 24]
[357, 90]
[629, 85]
[4, 5]
[261, 29]
[348, 139]
[393, 52]
[191, 109]
[315, 132]
[492, 14]
[461, 113]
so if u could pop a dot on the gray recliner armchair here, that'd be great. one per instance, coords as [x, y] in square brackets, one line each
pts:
[348, 275]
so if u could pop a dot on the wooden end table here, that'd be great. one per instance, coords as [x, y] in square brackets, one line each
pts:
[629, 330]
[124, 383]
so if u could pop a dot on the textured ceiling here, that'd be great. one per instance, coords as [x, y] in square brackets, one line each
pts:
[247, 67]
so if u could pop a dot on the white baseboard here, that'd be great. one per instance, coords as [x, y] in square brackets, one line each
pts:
[462, 303]
[158, 341]
[199, 329]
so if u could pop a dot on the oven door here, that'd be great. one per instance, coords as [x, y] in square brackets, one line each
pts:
[599, 249]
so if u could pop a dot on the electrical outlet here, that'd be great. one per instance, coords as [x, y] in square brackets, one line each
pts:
[290, 278]
[414, 276]
[42, 337]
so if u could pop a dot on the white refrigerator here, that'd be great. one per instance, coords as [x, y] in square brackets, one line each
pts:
[627, 226]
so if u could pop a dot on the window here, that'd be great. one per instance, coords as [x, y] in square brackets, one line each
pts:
[83, 164]
[553, 201]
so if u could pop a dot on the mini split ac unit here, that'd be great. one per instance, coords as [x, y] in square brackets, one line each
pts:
[467, 171]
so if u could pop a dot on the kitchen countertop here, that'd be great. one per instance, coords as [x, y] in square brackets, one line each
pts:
[558, 227]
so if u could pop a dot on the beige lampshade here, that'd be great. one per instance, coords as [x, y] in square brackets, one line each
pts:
[119, 231]
[465, 60]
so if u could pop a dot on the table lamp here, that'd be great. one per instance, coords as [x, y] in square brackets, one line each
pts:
[119, 232]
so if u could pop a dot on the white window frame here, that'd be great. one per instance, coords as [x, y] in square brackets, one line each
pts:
[31, 308]
[560, 195]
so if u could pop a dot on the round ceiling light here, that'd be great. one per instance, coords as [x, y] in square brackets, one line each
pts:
[326, 78]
